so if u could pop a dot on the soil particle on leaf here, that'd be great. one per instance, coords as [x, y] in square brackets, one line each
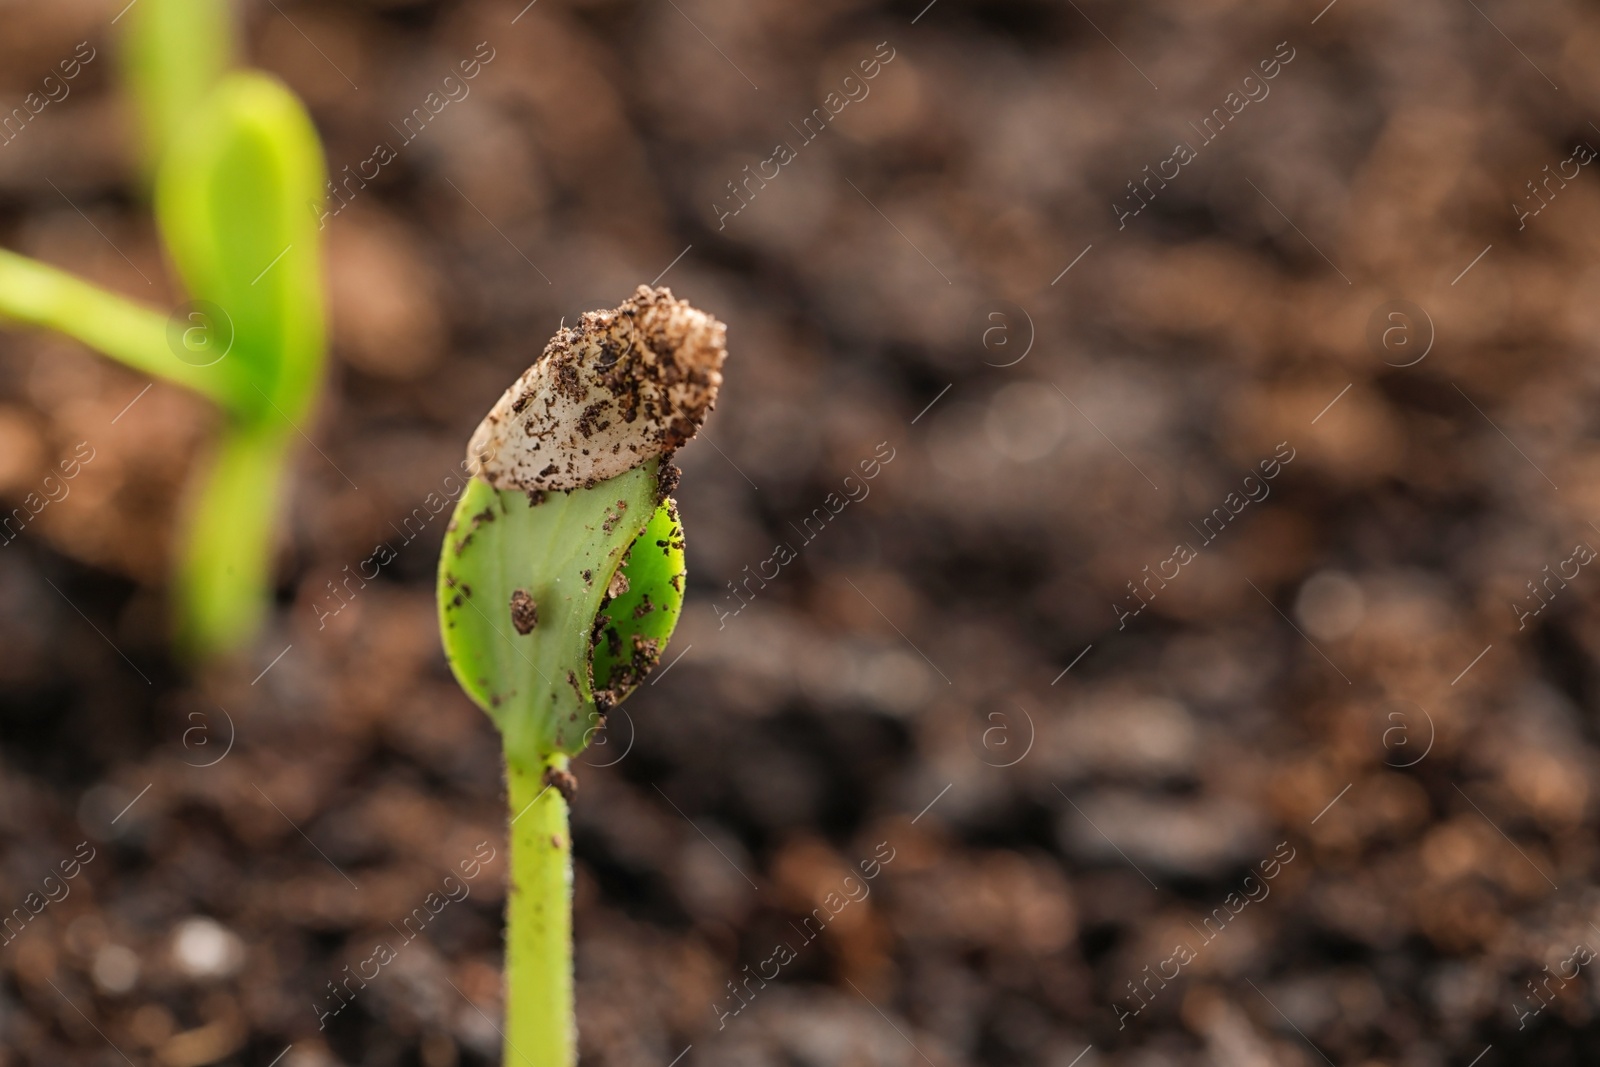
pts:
[619, 585]
[479, 520]
[564, 782]
[626, 677]
[644, 608]
[524, 612]
[667, 479]
[601, 621]
[646, 654]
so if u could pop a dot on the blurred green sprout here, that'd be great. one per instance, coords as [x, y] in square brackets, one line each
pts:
[233, 158]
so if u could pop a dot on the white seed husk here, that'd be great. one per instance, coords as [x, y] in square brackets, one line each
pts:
[606, 396]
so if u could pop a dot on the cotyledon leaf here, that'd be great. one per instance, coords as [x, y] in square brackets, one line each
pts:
[645, 600]
[522, 579]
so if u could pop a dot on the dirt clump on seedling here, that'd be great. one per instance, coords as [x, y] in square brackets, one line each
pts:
[627, 676]
[524, 612]
[563, 781]
[618, 586]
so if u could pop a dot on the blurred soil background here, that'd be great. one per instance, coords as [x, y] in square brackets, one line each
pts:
[1302, 700]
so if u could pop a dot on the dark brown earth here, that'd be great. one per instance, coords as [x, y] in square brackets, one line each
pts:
[1067, 697]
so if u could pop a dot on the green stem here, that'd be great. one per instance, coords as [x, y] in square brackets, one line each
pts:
[38, 294]
[225, 567]
[541, 1030]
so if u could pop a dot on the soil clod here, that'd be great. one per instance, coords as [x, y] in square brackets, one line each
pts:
[524, 612]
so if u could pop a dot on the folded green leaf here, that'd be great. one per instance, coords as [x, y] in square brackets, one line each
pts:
[642, 609]
[523, 579]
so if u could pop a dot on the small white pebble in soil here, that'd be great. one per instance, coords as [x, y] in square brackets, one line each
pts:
[204, 948]
[1330, 605]
[1026, 421]
[116, 969]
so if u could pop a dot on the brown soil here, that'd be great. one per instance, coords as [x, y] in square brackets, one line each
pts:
[1133, 553]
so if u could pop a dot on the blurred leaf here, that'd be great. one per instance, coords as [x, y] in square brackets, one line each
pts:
[231, 200]
[139, 337]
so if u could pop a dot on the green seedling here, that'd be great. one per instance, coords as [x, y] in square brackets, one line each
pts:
[236, 162]
[173, 52]
[560, 581]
